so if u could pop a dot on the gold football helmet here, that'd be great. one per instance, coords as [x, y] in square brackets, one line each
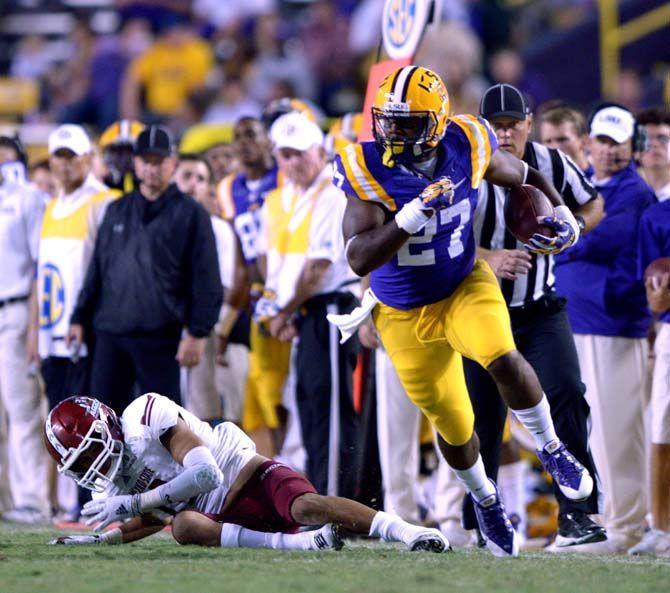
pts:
[410, 113]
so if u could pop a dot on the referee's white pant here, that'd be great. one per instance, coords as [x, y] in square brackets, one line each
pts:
[22, 451]
[398, 422]
[614, 372]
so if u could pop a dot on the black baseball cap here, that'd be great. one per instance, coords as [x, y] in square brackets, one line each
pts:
[154, 140]
[503, 100]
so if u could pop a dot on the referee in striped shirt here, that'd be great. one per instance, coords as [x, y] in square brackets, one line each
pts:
[539, 322]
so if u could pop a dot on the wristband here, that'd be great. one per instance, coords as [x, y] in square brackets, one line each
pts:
[412, 216]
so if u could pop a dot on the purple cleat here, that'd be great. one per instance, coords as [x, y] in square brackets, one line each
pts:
[570, 475]
[501, 538]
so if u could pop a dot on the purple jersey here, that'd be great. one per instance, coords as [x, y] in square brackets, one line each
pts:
[241, 200]
[434, 261]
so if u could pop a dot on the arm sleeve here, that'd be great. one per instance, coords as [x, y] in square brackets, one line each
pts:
[225, 250]
[578, 189]
[206, 290]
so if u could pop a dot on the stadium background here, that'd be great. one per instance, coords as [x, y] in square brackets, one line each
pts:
[66, 62]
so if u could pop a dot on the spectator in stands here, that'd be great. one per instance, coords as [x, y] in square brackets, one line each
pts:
[42, 179]
[330, 60]
[455, 53]
[655, 161]
[277, 60]
[110, 57]
[308, 275]
[152, 291]
[67, 238]
[167, 72]
[506, 67]
[609, 317]
[565, 129]
[654, 244]
[23, 465]
[232, 103]
[32, 58]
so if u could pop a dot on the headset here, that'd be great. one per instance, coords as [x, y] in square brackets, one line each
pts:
[640, 141]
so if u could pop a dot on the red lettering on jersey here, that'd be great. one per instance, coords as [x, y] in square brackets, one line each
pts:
[146, 417]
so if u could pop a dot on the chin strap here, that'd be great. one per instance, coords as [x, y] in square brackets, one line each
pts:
[387, 158]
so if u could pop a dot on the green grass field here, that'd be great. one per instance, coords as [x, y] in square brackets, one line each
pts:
[158, 565]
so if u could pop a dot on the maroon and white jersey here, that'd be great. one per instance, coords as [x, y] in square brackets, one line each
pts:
[147, 463]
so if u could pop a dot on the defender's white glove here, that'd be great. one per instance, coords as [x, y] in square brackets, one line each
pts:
[111, 537]
[108, 510]
[76, 540]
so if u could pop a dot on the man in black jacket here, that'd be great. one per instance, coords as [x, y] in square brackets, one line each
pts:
[152, 291]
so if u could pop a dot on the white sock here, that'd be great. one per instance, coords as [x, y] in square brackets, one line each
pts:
[539, 423]
[234, 536]
[391, 528]
[511, 481]
[475, 480]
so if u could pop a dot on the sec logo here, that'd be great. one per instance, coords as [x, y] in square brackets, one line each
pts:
[403, 23]
[53, 297]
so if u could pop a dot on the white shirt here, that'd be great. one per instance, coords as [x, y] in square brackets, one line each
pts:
[21, 211]
[321, 207]
[146, 459]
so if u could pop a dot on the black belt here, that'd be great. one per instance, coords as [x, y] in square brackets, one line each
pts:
[549, 303]
[12, 300]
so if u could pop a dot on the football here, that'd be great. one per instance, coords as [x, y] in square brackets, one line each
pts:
[658, 267]
[524, 204]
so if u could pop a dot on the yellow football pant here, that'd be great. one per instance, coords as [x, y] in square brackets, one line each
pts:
[268, 368]
[425, 346]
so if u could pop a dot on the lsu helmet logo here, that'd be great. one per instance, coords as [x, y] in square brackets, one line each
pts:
[53, 297]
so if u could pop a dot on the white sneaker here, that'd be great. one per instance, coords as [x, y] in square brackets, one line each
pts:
[654, 543]
[327, 538]
[25, 516]
[429, 540]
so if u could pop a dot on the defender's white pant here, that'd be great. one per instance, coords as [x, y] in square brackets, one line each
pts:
[398, 422]
[24, 409]
[614, 372]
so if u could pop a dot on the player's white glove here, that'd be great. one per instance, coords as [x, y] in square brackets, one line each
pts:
[564, 224]
[108, 510]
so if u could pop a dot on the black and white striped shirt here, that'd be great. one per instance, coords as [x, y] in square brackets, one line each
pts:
[491, 232]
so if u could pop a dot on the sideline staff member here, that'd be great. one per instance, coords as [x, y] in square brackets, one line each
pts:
[154, 273]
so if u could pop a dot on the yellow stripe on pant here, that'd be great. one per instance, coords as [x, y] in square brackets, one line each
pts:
[268, 368]
[425, 346]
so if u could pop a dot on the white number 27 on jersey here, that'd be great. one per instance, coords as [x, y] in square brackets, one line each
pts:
[426, 257]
